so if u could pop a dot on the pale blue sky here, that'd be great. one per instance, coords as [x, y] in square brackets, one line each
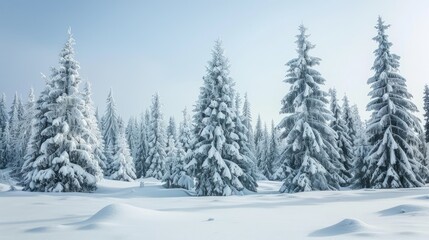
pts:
[141, 47]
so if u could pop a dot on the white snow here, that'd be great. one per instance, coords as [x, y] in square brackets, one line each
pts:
[124, 210]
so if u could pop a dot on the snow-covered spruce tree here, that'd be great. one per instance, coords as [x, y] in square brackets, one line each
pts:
[6, 148]
[343, 140]
[3, 113]
[15, 116]
[258, 130]
[246, 118]
[120, 165]
[142, 145]
[3, 121]
[361, 176]
[178, 177]
[95, 138]
[155, 162]
[426, 112]
[265, 165]
[132, 136]
[348, 118]
[24, 133]
[311, 155]
[273, 155]
[60, 159]
[216, 158]
[251, 173]
[171, 151]
[394, 159]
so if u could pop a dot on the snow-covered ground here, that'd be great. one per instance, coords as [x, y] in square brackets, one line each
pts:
[122, 210]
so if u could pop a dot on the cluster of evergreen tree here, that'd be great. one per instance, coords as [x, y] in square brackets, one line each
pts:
[329, 148]
[57, 142]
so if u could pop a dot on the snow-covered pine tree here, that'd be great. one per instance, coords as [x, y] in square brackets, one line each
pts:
[348, 118]
[171, 151]
[25, 132]
[246, 118]
[185, 132]
[311, 154]
[215, 150]
[142, 146]
[13, 153]
[132, 136]
[95, 138]
[110, 130]
[4, 118]
[394, 158]
[248, 163]
[120, 165]
[179, 177]
[265, 165]
[273, 155]
[155, 162]
[426, 112]
[3, 113]
[59, 158]
[343, 140]
[361, 176]
[258, 130]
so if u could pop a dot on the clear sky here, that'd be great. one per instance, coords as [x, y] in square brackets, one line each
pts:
[141, 47]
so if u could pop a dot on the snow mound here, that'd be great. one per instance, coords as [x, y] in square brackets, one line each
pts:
[405, 209]
[346, 226]
[115, 215]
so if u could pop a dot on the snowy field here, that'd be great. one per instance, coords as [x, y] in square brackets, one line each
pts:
[122, 210]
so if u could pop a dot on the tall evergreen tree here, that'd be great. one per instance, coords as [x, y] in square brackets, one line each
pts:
[247, 121]
[15, 116]
[25, 132]
[216, 157]
[348, 118]
[426, 112]
[248, 163]
[95, 138]
[343, 140]
[265, 163]
[4, 118]
[143, 145]
[273, 151]
[155, 162]
[177, 176]
[258, 131]
[394, 159]
[60, 159]
[120, 165]
[310, 154]
[3, 113]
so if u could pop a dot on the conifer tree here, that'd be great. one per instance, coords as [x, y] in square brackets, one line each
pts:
[343, 140]
[143, 145]
[273, 151]
[394, 158]
[3, 113]
[178, 176]
[95, 138]
[311, 155]
[348, 118]
[120, 165]
[426, 112]
[59, 158]
[265, 164]
[13, 154]
[216, 158]
[25, 132]
[155, 162]
[247, 121]
[248, 163]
